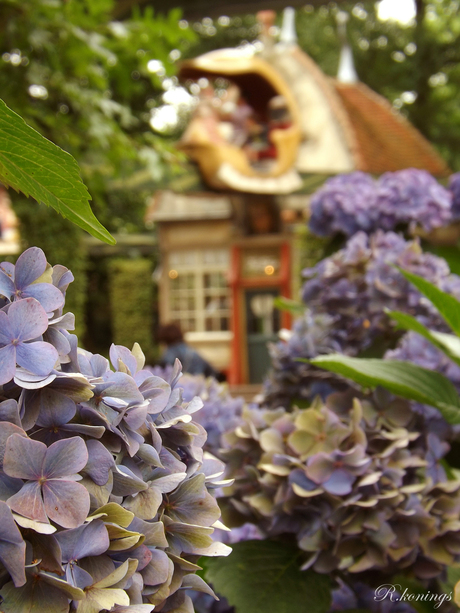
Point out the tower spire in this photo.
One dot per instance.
(346, 72)
(288, 35)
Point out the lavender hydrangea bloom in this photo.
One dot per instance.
(355, 202)
(454, 187)
(25, 321)
(145, 481)
(364, 502)
(346, 295)
(336, 472)
(50, 490)
(345, 204)
(20, 281)
(412, 196)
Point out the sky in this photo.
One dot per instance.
(398, 10)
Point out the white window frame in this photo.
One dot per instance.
(198, 262)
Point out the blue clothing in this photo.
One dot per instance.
(191, 360)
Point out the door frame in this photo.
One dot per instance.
(239, 371)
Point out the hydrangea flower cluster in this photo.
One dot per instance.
(105, 492)
(454, 187)
(220, 411)
(356, 202)
(346, 295)
(354, 481)
(357, 283)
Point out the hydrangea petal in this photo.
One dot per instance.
(6, 430)
(118, 352)
(30, 265)
(99, 365)
(47, 295)
(28, 319)
(7, 363)
(65, 457)
(23, 457)
(339, 483)
(157, 570)
(59, 341)
(7, 287)
(29, 502)
(56, 409)
(38, 357)
(62, 277)
(9, 411)
(320, 467)
(12, 546)
(88, 540)
(66, 502)
(100, 461)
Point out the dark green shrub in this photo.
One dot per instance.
(131, 298)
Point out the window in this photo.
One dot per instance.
(199, 297)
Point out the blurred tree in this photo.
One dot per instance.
(85, 82)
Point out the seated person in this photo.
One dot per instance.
(176, 347)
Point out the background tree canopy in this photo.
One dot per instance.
(83, 81)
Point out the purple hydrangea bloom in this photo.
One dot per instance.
(19, 281)
(345, 204)
(454, 187)
(50, 490)
(25, 321)
(351, 203)
(412, 196)
(336, 472)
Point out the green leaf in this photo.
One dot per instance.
(402, 378)
(35, 166)
(262, 576)
(287, 304)
(448, 343)
(447, 305)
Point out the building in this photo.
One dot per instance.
(269, 128)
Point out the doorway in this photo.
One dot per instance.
(263, 323)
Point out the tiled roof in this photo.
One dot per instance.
(385, 140)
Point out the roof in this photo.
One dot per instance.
(385, 139)
(167, 205)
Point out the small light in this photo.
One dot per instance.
(269, 269)
(173, 274)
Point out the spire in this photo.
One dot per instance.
(346, 72)
(288, 35)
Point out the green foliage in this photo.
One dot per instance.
(33, 165)
(41, 227)
(448, 343)
(130, 293)
(82, 80)
(447, 305)
(261, 576)
(402, 378)
(290, 306)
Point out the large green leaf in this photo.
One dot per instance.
(35, 166)
(262, 576)
(447, 305)
(448, 343)
(402, 378)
